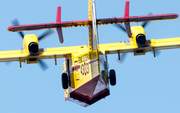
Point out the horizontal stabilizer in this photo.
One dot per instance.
(115, 20)
(119, 20)
(49, 25)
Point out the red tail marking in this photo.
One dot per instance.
(126, 15)
(58, 20)
(126, 11)
(128, 29)
(58, 17)
(60, 35)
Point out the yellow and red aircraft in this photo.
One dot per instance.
(85, 77)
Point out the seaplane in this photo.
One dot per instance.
(85, 76)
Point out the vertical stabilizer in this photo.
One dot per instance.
(59, 29)
(126, 15)
(93, 37)
(94, 26)
(90, 10)
(126, 10)
(58, 16)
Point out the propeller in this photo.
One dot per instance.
(144, 24)
(46, 33)
(120, 27)
(41, 63)
(16, 23)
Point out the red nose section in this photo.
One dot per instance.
(90, 92)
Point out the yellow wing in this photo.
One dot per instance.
(45, 53)
(127, 47)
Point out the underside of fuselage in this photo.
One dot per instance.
(86, 85)
(90, 92)
(85, 80)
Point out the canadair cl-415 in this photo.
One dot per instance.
(85, 77)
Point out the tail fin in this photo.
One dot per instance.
(126, 15)
(126, 11)
(59, 29)
(58, 16)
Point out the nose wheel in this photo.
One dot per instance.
(112, 77)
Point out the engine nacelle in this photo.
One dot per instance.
(141, 40)
(33, 48)
(30, 44)
(138, 35)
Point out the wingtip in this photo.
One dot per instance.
(9, 29)
(177, 15)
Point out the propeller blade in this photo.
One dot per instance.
(120, 27)
(145, 24)
(43, 65)
(45, 34)
(158, 52)
(7, 63)
(16, 23)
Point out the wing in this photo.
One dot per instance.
(45, 53)
(118, 20)
(127, 47)
(49, 25)
(115, 20)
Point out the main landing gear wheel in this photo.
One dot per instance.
(112, 77)
(64, 80)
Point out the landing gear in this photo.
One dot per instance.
(64, 80)
(112, 77)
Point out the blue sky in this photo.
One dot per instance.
(144, 83)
